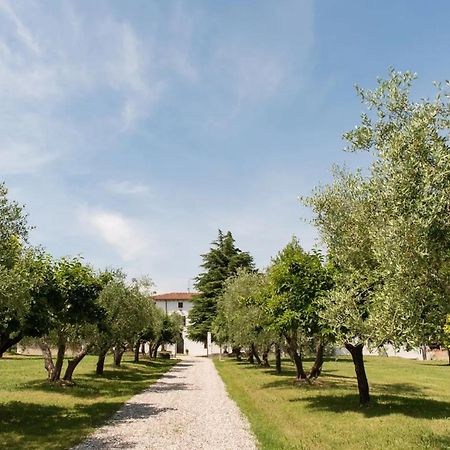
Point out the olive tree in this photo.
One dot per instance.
(74, 294)
(296, 282)
(14, 284)
(128, 312)
(387, 229)
(242, 320)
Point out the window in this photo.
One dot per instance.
(180, 305)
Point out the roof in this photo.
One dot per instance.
(186, 296)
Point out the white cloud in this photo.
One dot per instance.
(128, 188)
(124, 235)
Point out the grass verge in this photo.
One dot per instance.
(35, 414)
(410, 405)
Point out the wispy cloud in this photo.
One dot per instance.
(256, 74)
(132, 74)
(124, 235)
(128, 188)
(23, 33)
(103, 63)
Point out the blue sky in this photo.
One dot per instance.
(134, 130)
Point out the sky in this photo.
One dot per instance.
(133, 131)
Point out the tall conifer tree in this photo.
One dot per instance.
(222, 261)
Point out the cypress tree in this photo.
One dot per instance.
(222, 261)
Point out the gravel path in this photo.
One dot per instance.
(188, 408)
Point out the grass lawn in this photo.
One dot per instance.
(410, 405)
(37, 415)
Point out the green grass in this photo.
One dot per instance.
(35, 414)
(410, 405)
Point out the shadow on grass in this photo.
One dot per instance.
(382, 405)
(131, 380)
(25, 425)
(287, 381)
(343, 383)
(19, 358)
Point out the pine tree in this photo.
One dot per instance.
(222, 261)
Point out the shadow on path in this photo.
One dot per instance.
(135, 411)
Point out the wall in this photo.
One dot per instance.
(191, 347)
(389, 350)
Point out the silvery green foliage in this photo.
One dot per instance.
(242, 319)
(14, 276)
(388, 231)
(127, 310)
(13, 228)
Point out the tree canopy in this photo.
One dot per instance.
(388, 230)
(222, 261)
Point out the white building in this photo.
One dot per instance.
(181, 303)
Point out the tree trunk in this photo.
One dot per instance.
(155, 349)
(237, 352)
(448, 351)
(277, 358)
(48, 360)
(255, 354)
(363, 386)
(424, 352)
(118, 353)
(296, 356)
(59, 359)
(136, 351)
(101, 362)
(251, 358)
(6, 342)
(265, 357)
(73, 363)
(143, 348)
(318, 362)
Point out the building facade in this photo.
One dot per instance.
(181, 303)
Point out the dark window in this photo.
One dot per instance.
(180, 304)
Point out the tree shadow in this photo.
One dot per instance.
(154, 363)
(382, 405)
(91, 385)
(20, 358)
(25, 425)
(137, 411)
(107, 442)
(321, 383)
(164, 387)
(183, 364)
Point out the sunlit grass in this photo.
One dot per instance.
(35, 414)
(410, 405)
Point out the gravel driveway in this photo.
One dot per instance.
(188, 408)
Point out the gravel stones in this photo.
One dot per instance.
(188, 408)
